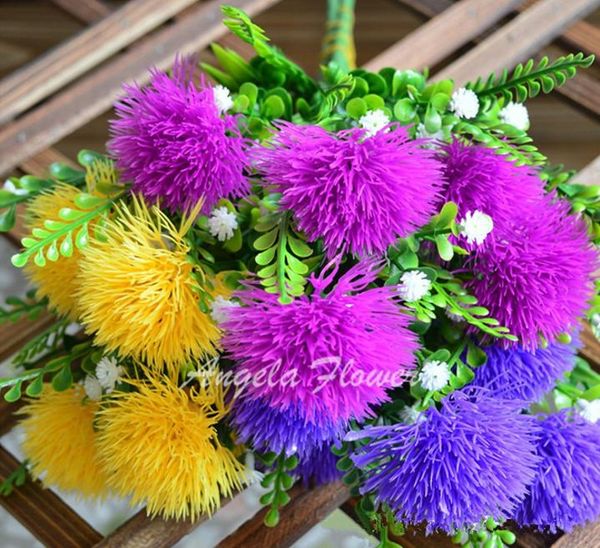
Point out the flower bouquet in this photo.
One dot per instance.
(280, 279)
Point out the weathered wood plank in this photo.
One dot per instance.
(44, 514)
(63, 64)
(14, 335)
(458, 25)
(95, 93)
(86, 11)
(519, 39)
(582, 537)
(307, 508)
(590, 174)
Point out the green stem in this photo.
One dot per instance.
(338, 43)
(281, 249)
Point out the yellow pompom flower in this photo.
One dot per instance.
(56, 280)
(159, 446)
(138, 293)
(60, 441)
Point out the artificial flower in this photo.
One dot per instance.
(333, 353)
(319, 467)
(357, 194)
(222, 224)
(516, 115)
(222, 97)
(434, 375)
(92, 387)
(470, 459)
(172, 141)
(414, 285)
(589, 410)
(476, 226)
(108, 373)
(566, 489)
(220, 309)
(373, 121)
(159, 446)
(464, 103)
(60, 441)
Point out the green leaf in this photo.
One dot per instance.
(35, 387)
(8, 219)
(356, 108)
(592, 393)
(14, 393)
(266, 240)
(444, 247)
(272, 517)
(299, 248)
(404, 110)
(273, 107)
(63, 379)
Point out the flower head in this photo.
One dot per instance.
(334, 354)
(471, 459)
(222, 223)
(589, 410)
(566, 489)
(476, 226)
(222, 98)
(434, 375)
(172, 141)
(290, 432)
(535, 274)
(57, 280)
(414, 285)
(92, 388)
(108, 372)
(60, 441)
(516, 115)
(159, 445)
(373, 121)
(220, 309)
(319, 467)
(526, 375)
(357, 194)
(464, 103)
(479, 179)
(138, 293)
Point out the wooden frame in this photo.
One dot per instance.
(73, 97)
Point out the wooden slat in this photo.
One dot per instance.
(519, 39)
(84, 10)
(142, 532)
(63, 64)
(307, 508)
(14, 335)
(584, 36)
(95, 93)
(590, 174)
(582, 537)
(458, 25)
(44, 514)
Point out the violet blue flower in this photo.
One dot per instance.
(171, 142)
(335, 354)
(566, 489)
(471, 459)
(319, 467)
(358, 193)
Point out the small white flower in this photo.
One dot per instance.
(589, 410)
(220, 309)
(252, 474)
(410, 415)
(373, 121)
(222, 223)
(414, 285)
(92, 387)
(10, 186)
(464, 103)
(595, 320)
(223, 98)
(422, 133)
(476, 226)
(516, 115)
(108, 372)
(434, 375)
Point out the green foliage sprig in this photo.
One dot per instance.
(529, 79)
(19, 308)
(56, 238)
(45, 343)
(279, 480)
(281, 251)
(16, 478)
(25, 188)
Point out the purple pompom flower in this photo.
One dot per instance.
(358, 193)
(479, 179)
(288, 432)
(335, 354)
(516, 373)
(319, 467)
(469, 460)
(535, 275)
(566, 490)
(173, 144)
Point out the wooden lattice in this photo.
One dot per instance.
(64, 89)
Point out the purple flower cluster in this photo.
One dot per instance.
(357, 193)
(319, 467)
(334, 354)
(472, 458)
(526, 375)
(172, 143)
(566, 490)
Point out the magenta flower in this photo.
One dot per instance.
(334, 354)
(535, 275)
(471, 459)
(358, 193)
(172, 143)
(478, 178)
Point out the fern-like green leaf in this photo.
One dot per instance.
(529, 79)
